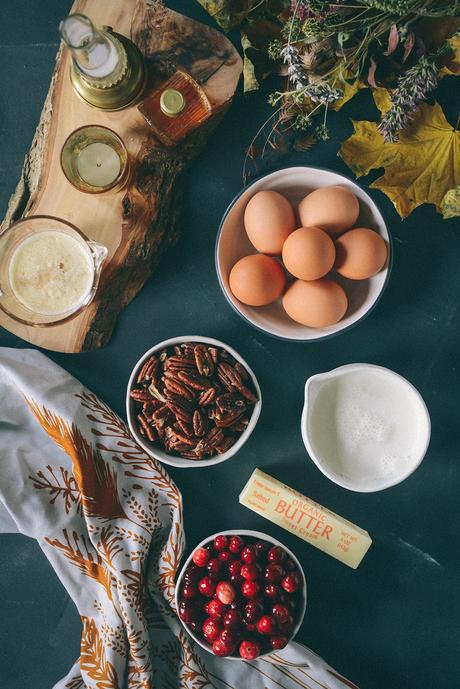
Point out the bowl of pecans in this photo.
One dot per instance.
(192, 401)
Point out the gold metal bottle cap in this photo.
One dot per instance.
(172, 102)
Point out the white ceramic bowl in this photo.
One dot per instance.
(365, 479)
(233, 243)
(253, 534)
(183, 462)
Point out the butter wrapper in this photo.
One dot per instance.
(305, 518)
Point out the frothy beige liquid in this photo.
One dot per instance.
(51, 273)
(368, 425)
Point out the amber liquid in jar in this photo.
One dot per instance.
(176, 108)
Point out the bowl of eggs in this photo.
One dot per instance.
(303, 254)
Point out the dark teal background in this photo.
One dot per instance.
(393, 623)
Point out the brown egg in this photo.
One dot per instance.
(317, 303)
(257, 280)
(361, 253)
(308, 253)
(334, 209)
(268, 219)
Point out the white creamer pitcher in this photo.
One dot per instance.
(365, 426)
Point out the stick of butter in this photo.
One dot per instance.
(295, 512)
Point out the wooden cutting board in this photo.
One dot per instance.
(140, 221)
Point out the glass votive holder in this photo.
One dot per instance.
(94, 159)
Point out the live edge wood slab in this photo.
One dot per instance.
(140, 221)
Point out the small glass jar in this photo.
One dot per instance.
(94, 159)
(65, 267)
(176, 108)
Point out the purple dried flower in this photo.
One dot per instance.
(413, 87)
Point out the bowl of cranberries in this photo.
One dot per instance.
(241, 594)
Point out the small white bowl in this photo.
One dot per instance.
(183, 462)
(233, 243)
(253, 534)
(365, 479)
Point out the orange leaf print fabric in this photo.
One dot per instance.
(110, 521)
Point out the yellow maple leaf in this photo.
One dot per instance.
(420, 168)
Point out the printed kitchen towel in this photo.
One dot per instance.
(109, 519)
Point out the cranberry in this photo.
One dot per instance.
(249, 649)
(291, 582)
(276, 555)
(248, 555)
(219, 648)
(234, 567)
(266, 624)
(280, 612)
(273, 573)
(214, 566)
(250, 589)
(189, 591)
(232, 619)
(220, 543)
(201, 557)
(278, 642)
(261, 548)
(250, 572)
(235, 544)
(250, 627)
(225, 556)
(225, 592)
(187, 611)
(211, 629)
(215, 608)
(225, 644)
(272, 591)
(253, 611)
(206, 587)
(192, 575)
(286, 626)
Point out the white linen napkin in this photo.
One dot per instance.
(109, 519)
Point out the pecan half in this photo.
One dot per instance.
(229, 377)
(149, 432)
(194, 380)
(239, 368)
(200, 423)
(142, 395)
(203, 360)
(174, 386)
(225, 445)
(240, 425)
(207, 397)
(185, 427)
(179, 363)
(226, 419)
(162, 416)
(214, 353)
(246, 392)
(230, 402)
(209, 443)
(148, 370)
